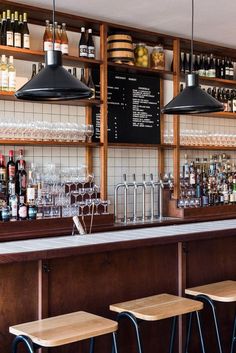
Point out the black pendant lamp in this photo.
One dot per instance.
(192, 100)
(53, 83)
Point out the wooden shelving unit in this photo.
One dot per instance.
(103, 29)
(208, 148)
(49, 143)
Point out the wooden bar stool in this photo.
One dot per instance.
(224, 292)
(159, 307)
(64, 329)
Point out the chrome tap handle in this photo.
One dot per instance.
(144, 177)
(151, 177)
(124, 178)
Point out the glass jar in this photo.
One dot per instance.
(158, 58)
(141, 55)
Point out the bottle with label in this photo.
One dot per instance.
(3, 74)
(16, 32)
(231, 70)
(25, 33)
(20, 159)
(47, 37)
(11, 186)
(74, 72)
(222, 69)
(5, 213)
(13, 204)
(90, 45)
(9, 30)
(64, 40)
(186, 168)
(3, 176)
(11, 166)
(32, 211)
(83, 49)
(82, 78)
(21, 179)
(227, 70)
(22, 212)
(20, 28)
(11, 75)
(201, 70)
(57, 39)
(212, 67)
(192, 174)
(34, 71)
(4, 29)
(31, 188)
(91, 84)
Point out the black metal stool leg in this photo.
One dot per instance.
(91, 345)
(207, 300)
(26, 341)
(172, 337)
(190, 317)
(114, 343)
(134, 322)
(233, 336)
(200, 331)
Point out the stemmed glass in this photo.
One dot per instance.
(89, 132)
(105, 204)
(97, 202)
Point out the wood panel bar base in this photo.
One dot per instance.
(63, 329)
(159, 307)
(224, 292)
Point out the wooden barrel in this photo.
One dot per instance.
(120, 48)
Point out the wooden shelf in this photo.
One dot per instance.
(146, 70)
(222, 115)
(213, 81)
(49, 143)
(82, 102)
(36, 55)
(138, 145)
(208, 148)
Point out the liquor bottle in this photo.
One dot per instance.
(32, 211)
(192, 174)
(64, 40)
(3, 74)
(206, 64)
(16, 32)
(4, 29)
(20, 28)
(47, 38)
(9, 30)
(201, 70)
(21, 179)
(25, 32)
(212, 67)
(13, 204)
(82, 78)
(231, 70)
(222, 69)
(218, 68)
(186, 168)
(12, 24)
(11, 166)
(3, 176)
(40, 67)
(19, 160)
(90, 45)
(187, 62)
(90, 83)
(182, 59)
(11, 75)
(227, 69)
(57, 37)
(234, 101)
(83, 49)
(74, 72)
(30, 192)
(34, 70)
(22, 212)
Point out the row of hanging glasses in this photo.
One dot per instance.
(69, 192)
(46, 131)
(202, 138)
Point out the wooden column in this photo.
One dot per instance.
(103, 111)
(161, 151)
(176, 118)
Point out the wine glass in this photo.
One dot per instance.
(89, 132)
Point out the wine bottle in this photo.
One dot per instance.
(21, 28)
(3, 175)
(212, 67)
(16, 32)
(4, 29)
(21, 178)
(11, 167)
(64, 40)
(82, 78)
(201, 70)
(57, 37)
(3, 74)
(25, 32)
(231, 70)
(222, 69)
(227, 69)
(182, 57)
(47, 37)
(83, 49)
(186, 64)
(19, 159)
(34, 72)
(74, 72)
(22, 213)
(90, 45)
(91, 84)
(11, 75)
(218, 68)
(9, 30)
(31, 187)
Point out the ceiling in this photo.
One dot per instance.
(214, 19)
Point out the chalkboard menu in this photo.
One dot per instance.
(133, 108)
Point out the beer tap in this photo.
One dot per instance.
(135, 191)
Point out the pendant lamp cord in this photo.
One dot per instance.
(192, 37)
(53, 21)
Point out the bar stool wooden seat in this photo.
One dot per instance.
(224, 292)
(158, 307)
(64, 329)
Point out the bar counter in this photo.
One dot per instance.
(57, 275)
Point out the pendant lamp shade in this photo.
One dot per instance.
(53, 83)
(193, 100)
